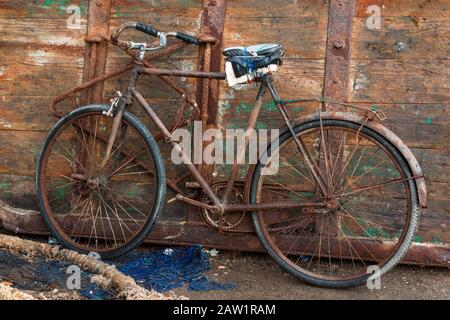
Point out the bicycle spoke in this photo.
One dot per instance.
(364, 176)
(379, 185)
(82, 198)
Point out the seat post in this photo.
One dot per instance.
(240, 156)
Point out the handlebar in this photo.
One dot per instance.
(148, 29)
(153, 32)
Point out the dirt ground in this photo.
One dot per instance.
(258, 277)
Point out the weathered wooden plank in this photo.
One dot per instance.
(396, 8)
(413, 113)
(125, 9)
(39, 80)
(20, 150)
(18, 191)
(40, 9)
(401, 38)
(39, 76)
(169, 22)
(388, 81)
(435, 164)
(45, 31)
(437, 190)
(280, 9)
(24, 113)
(300, 37)
(154, 9)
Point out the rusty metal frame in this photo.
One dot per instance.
(220, 205)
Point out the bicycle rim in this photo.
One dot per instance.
(368, 220)
(93, 204)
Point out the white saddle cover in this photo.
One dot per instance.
(232, 80)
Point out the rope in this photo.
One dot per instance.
(124, 286)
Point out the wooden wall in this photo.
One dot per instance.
(403, 68)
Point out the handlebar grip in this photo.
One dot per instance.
(147, 29)
(187, 38)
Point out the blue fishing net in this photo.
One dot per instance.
(168, 269)
(40, 274)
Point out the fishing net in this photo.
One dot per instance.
(46, 276)
(168, 269)
(37, 259)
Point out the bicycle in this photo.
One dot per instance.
(347, 191)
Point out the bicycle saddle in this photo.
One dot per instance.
(249, 59)
(266, 49)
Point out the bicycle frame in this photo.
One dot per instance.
(220, 205)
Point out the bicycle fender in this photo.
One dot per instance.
(382, 130)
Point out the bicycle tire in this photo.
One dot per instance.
(159, 176)
(348, 283)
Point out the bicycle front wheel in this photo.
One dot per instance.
(92, 202)
(371, 210)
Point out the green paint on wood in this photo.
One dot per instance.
(378, 232)
(5, 185)
(427, 120)
(271, 106)
(437, 240)
(260, 125)
(295, 195)
(63, 4)
(371, 167)
(418, 239)
(61, 193)
(47, 3)
(297, 109)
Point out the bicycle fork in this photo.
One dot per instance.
(121, 103)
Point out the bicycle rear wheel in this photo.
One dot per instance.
(90, 203)
(372, 208)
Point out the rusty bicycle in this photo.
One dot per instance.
(346, 196)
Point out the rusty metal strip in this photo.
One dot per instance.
(212, 24)
(187, 74)
(210, 58)
(338, 50)
(96, 48)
